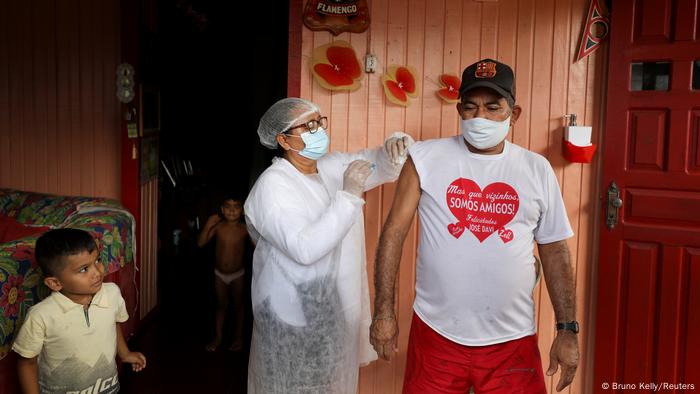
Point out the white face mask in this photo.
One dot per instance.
(483, 133)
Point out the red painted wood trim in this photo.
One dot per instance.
(294, 53)
(130, 188)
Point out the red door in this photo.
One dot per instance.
(648, 319)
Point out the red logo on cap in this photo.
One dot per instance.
(485, 70)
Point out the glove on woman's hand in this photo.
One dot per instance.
(397, 146)
(355, 177)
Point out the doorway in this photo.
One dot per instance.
(648, 322)
(203, 62)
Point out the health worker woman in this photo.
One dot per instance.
(309, 291)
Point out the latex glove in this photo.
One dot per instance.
(396, 147)
(355, 177)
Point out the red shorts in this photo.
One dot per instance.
(437, 365)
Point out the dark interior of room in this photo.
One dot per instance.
(216, 78)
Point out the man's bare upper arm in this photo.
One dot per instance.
(405, 200)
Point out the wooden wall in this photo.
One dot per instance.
(59, 115)
(539, 38)
(148, 246)
(59, 121)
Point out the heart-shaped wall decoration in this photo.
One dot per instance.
(335, 66)
(399, 84)
(449, 92)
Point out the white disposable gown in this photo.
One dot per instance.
(309, 291)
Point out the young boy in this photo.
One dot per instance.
(230, 231)
(75, 332)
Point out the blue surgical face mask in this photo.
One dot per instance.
(316, 144)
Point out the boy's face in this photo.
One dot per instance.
(232, 210)
(81, 276)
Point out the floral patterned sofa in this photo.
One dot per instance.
(26, 215)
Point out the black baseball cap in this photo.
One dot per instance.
(489, 73)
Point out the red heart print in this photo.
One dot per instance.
(455, 229)
(485, 211)
(506, 235)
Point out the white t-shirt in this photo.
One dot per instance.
(479, 216)
(74, 356)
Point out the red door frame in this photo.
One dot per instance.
(130, 186)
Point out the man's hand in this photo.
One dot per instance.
(564, 352)
(383, 335)
(136, 359)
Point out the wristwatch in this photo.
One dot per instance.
(571, 326)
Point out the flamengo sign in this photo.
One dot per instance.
(328, 9)
(337, 16)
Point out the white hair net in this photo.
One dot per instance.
(281, 116)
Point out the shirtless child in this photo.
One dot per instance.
(231, 235)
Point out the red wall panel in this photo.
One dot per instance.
(59, 121)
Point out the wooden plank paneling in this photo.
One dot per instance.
(39, 97)
(489, 30)
(26, 118)
(357, 102)
(51, 169)
(587, 233)
(451, 61)
(539, 39)
(59, 122)
(471, 36)
(561, 57)
(524, 69)
(63, 115)
(5, 108)
(148, 247)
(579, 179)
(17, 76)
(432, 67)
